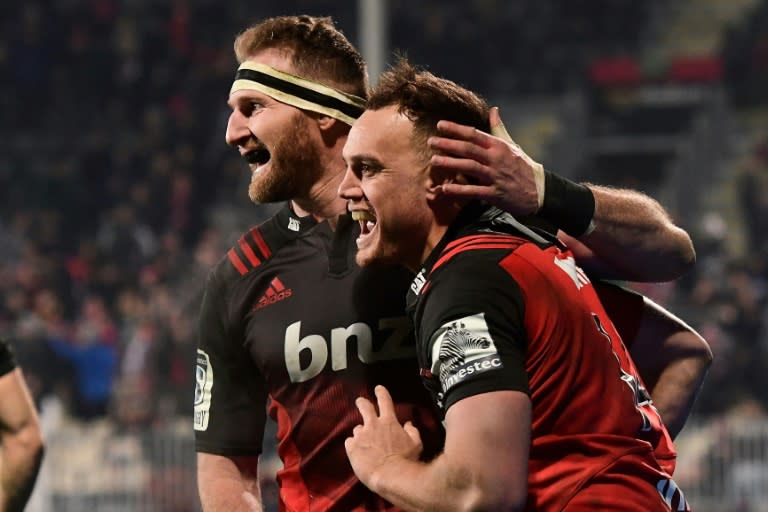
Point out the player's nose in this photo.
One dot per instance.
(350, 188)
(237, 129)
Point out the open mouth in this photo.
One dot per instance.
(366, 219)
(259, 156)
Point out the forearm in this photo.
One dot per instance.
(439, 486)
(674, 390)
(220, 496)
(673, 360)
(228, 485)
(22, 454)
(632, 234)
(483, 465)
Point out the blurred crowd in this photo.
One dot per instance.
(119, 192)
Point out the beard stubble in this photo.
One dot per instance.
(294, 166)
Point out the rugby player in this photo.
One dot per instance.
(543, 406)
(290, 326)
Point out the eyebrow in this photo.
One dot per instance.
(253, 95)
(363, 158)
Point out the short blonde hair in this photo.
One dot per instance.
(317, 49)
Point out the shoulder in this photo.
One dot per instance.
(252, 251)
(474, 261)
(470, 274)
(253, 248)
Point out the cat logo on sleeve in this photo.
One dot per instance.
(203, 385)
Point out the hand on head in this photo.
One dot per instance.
(499, 170)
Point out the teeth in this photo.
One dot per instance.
(359, 215)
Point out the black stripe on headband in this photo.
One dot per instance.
(299, 91)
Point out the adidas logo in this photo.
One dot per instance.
(275, 293)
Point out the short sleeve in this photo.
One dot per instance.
(229, 401)
(473, 322)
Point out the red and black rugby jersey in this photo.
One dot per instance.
(289, 321)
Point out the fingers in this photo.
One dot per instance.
(459, 147)
(367, 410)
(470, 134)
(385, 404)
(497, 125)
(495, 118)
(412, 432)
(469, 191)
(482, 173)
(384, 399)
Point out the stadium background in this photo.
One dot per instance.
(118, 193)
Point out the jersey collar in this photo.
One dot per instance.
(291, 224)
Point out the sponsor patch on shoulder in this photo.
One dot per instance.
(203, 386)
(463, 348)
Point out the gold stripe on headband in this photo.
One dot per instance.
(298, 92)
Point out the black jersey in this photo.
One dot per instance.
(289, 320)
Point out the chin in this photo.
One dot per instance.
(267, 189)
(370, 258)
(365, 259)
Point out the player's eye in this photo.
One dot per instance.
(254, 107)
(366, 170)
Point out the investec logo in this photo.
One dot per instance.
(316, 350)
(458, 374)
(463, 347)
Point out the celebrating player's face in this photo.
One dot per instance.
(385, 185)
(276, 141)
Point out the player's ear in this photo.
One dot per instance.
(326, 122)
(330, 128)
(438, 178)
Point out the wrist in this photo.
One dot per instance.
(381, 480)
(568, 205)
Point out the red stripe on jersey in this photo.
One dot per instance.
(270, 292)
(294, 494)
(237, 262)
(249, 252)
(262, 245)
(277, 284)
(472, 246)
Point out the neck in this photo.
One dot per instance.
(436, 234)
(444, 215)
(323, 201)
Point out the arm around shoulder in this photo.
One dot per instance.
(635, 235)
